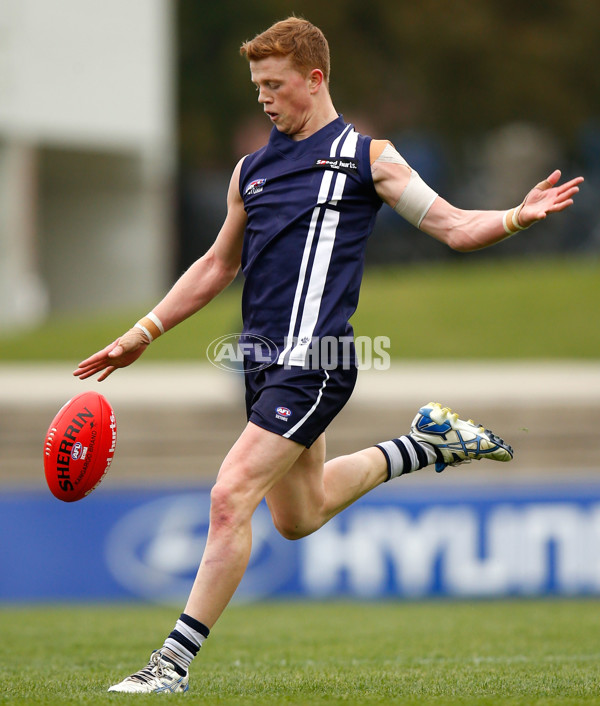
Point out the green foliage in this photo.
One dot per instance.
(485, 653)
(466, 309)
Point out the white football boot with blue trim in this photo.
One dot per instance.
(158, 677)
(454, 440)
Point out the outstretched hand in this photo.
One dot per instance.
(546, 197)
(119, 354)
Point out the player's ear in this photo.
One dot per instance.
(315, 80)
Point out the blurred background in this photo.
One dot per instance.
(120, 124)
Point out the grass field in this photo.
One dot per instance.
(475, 308)
(493, 653)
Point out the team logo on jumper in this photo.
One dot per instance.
(283, 413)
(341, 164)
(255, 187)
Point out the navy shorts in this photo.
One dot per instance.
(294, 402)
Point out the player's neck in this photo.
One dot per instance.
(323, 113)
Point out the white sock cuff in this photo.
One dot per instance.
(405, 455)
(187, 631)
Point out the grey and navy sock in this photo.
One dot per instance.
(184, 642)
(405, 455)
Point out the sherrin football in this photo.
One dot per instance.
(79, 446)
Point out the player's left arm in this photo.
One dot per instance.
(401, 188)
(467, 230)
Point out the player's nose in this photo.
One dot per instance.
(263, 97)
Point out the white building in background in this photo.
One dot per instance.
(86, 154)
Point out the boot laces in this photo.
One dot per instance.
(154, 668)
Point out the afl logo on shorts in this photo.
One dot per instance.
(283, 413)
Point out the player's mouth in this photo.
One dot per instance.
(272, 116)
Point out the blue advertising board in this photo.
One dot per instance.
(403, 541)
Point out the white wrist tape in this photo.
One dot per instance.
(154, 318)
(417, 197)
(145, 330)
(510, 221)
(151, 325)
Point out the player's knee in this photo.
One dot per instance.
(291, 533)
(291, 530)
(226, 507)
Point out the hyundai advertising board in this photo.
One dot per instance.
(404, 542)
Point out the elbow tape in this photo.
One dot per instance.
(416, 200)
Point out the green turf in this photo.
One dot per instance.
(469, 308)
(497, 652)
(486, 309)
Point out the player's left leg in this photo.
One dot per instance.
(312, 491)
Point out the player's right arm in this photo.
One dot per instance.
(206, 278)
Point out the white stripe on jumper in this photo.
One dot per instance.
(310, 411)
(316, 285)
(300, 285)
(349, 146)
(348, 150)
(318, 275)
(321, 199)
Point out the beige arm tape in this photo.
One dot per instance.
(151, 325)
(510, 220)
(417, 197)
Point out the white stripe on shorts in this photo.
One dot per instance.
(310, 411)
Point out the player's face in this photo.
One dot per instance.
(284, 93)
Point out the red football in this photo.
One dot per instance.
(79, 446)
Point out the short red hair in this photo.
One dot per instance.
(304, 43)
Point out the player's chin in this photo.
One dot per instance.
(281, 125)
